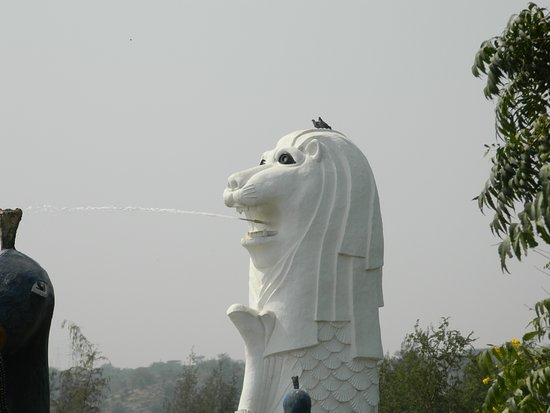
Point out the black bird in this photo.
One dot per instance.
(320, 124)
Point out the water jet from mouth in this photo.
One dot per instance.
(52, 208)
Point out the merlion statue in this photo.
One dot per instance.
(315, 283)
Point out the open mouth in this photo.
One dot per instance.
(260, 223)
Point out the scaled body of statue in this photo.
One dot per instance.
(315, 283)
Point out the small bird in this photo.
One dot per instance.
(320, 124)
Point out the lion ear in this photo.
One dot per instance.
(313, 149)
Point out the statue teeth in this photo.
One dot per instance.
(261, 233)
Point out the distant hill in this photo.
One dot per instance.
(148, 389)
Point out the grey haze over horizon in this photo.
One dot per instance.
(155, 104)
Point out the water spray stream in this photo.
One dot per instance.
(52, 208)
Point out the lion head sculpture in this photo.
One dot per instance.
(315, 239)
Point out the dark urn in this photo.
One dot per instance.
(297, 400)
(26, 309)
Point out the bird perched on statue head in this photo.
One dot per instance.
(320, 124)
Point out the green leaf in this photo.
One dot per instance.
(529, 208)
(504, 250)
(529, 336)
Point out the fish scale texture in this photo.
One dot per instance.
(335, 382)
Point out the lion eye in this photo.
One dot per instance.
(262, 162)
(286, 159)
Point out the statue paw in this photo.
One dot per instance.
(255, 327)
(241, 308)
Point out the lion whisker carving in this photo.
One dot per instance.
(248, 191)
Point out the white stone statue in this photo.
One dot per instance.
(315, 283)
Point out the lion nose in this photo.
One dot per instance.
(233, 182)
(239, 179)
(228, 198)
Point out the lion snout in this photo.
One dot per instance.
(238, 188)
(233, 182)
(228, 198)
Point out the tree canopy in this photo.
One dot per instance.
(433, 372)
(517, 69)
(82, 387)
(518, 372)
(219, 393)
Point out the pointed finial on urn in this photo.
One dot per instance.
(9, 222)
(296, 400)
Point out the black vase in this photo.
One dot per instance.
(26, 310)
(297, 400)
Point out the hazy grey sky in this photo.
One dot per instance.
(156, 103)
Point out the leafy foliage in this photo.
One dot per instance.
(220, 395)
(186, 395)
(519, 372)
(217, 394)
(81, 388)
(431, 374)
(517, 67)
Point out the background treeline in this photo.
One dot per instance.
(435, 371)
(198, 385)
